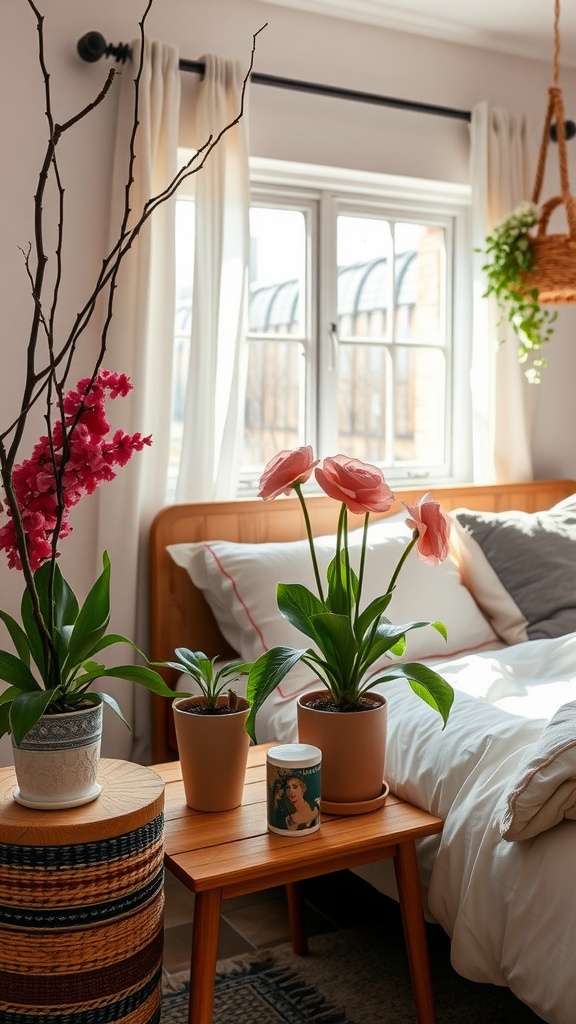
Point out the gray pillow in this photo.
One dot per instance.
(521, 569)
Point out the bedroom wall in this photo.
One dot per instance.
(287, 125)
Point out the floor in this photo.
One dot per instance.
(260, 920)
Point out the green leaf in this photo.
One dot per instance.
(337, 643)
(370, 613)
(92, 619)
(140, 674)
(31, 628)
(26, 710)
(105, 698)
(18, 637)
(265, 675)
(4, 719)
(298, 605)
(16, 672)
(427, 684)
(190, 660)
(342, 590)
(441, 628)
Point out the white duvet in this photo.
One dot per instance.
(509, 907)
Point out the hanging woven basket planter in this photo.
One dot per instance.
(529, 268)
(554, 273)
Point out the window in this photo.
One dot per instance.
(358, 335)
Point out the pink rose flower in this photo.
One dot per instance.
(286, 469)
(360, 486)
(433, 526)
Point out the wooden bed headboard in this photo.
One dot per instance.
(179, 614)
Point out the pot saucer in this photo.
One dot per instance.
(58, 805)
(358, 806)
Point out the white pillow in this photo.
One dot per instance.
(239, 583)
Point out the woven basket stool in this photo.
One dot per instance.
(81, 904)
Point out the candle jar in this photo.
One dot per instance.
(293, 774)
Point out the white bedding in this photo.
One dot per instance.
(509, 907)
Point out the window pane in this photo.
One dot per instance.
(277, 270)
(419, 286)
(362, 402)
(274, 389)
(419, 406)
(364, 276)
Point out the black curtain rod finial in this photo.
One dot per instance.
(93, 46)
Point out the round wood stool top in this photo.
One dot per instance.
(131, 796)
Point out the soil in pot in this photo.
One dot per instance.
(366, 703)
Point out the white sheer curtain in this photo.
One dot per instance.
(141, 343)
(215, 388)
(503, 164)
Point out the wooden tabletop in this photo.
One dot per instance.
(234, 851)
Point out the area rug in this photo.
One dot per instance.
(351, 976)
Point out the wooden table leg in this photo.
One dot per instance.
(406, 868)
(205, 931)
(295, 897)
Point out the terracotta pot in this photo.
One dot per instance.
(213, 751)
(57, 762)
(353, 745)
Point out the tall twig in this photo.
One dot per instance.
(46, 375)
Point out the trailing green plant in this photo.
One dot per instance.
(211, 679)
(510, 258)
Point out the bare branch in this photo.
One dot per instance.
(47, 377)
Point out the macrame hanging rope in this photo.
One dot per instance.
(555, 273)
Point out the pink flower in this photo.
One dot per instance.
(286, 469)
(360, 486)
(433, 526)
(87, 463)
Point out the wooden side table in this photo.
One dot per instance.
(232, 853)
(81, 902)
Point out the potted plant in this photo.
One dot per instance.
(59, 641)
(211, 732)
(348, 640)
(511, 259)
(50, 707)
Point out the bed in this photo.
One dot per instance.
(503, 772)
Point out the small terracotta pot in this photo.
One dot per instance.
(213, 751)
(353, 745)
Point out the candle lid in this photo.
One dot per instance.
(286, 755)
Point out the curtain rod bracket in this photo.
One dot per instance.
(93, 46)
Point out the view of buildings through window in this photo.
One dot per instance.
(349, 333)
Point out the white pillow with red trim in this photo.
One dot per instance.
(239, 583)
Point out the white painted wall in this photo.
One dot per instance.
(287, 125)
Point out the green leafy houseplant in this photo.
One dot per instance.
(211, 679)
(58, 678)
(59, 642)
(510, 257)
(349, 640)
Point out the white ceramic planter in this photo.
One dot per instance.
(57, 762)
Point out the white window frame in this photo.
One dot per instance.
(331, 190)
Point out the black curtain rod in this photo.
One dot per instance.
(93, 46)
(336, 92)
